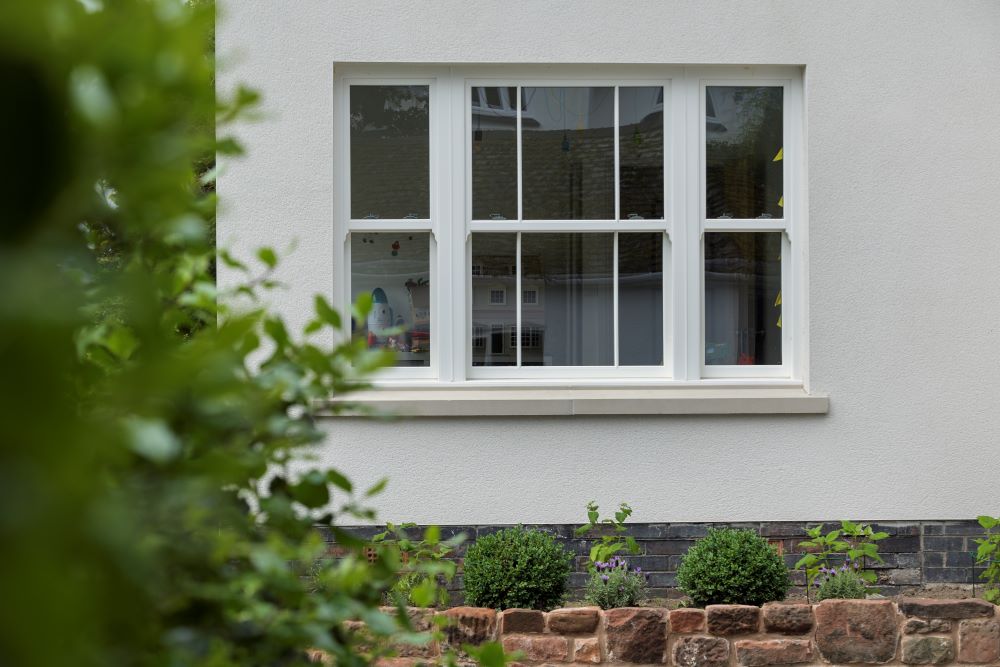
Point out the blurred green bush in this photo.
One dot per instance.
(148, 514)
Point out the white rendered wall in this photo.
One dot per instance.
(903, 148)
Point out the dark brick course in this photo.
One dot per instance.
(917, 553)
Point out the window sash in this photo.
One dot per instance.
(684, 222)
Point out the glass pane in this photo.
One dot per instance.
(390, 160)
(743, 298)
(640, 152)
(640, 299)
(494, 158)
(568, 153)
(572, 323)
(395, 270)
(494, 299)
(743, 151)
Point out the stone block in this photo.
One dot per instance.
(701, 651)
(757, 653)
(732, 619)
(469, 625)
(927, 650)
(685, 621)
(918, 626)
(636, 634)
(856, 631)
(788, 618)
(588, 650)
(979, 641)
(573, 621)
(953, 609)
(538, 648)
(521, 621)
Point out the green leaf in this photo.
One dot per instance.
(268, 257)
(339, 480)
(988, 522)
(377, 488)
(152, 439)
(633, 546)
(311, 490)
(326, 313)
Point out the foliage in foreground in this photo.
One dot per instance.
(156, 506)
(516, 567)
(730, 566)
(423, 564)
(612, 585)
(988, 554)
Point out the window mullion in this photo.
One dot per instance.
(614, 294)
(517, 324)
(618, 214)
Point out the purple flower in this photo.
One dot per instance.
(638, 570)
(604, 577)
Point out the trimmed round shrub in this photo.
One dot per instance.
(845, 585)
(516, 567)
(730, 566)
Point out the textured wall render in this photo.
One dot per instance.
(904, 291)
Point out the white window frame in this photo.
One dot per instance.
(450, 225)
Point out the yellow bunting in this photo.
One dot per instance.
(777, 302)
(780, 156)
(781, 202)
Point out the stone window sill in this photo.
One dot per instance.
(500, 401)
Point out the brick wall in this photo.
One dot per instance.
(918, 554)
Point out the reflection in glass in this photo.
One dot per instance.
(494, 299)
(640, 299)
(568, 153)
(390, 158)
(743, 298)
(572, 324)
(640, 152)
(743, 151)
(395, 270)
(494, 153)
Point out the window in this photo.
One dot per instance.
(580, 223)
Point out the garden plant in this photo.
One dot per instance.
(612, 584)
(853, 543)
(730, 566)
(610, 533)
(152, 513)
(516, 567)
(988, 555)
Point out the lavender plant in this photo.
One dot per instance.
(843, 583)
(612, 584)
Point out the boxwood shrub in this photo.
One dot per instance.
(516, 567)
(730, 566)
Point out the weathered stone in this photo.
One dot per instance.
(397, 662)
(788, 619)
(521, 620)
(852, 631)
(538, 648)
(588, 650)
(979, 641)
(636, 634)
(955, 609)
(757, 653)
(919, 626)
(927, 650)
(421, 619)
(687, 620)
(732, 619)
(469, 625)
(574, 620)
(701, 651)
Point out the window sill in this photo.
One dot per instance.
(567, 401)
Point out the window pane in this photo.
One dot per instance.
(494, 301)
(494, 159)
(390, 160)
(573, 323)
(640, 299)
(568, 153)
(743, 298)
(395, 270)
(640, 152)
(743, 151)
